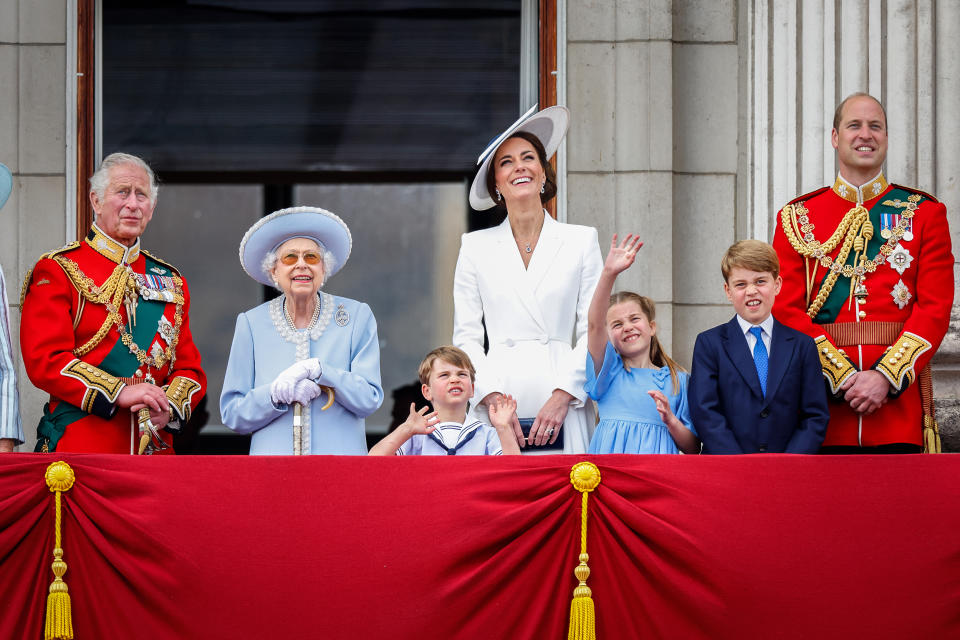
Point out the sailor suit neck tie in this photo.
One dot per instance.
(760, 358)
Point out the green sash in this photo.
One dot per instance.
(53, 424)
(119, 362)
(841, 288)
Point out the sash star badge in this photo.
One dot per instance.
(900, 259)
(901, 295)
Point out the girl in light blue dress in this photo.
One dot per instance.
(641, 393)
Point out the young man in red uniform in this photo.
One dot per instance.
(104, 328)
(868, 273)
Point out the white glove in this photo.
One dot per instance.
(282, 389)
(305, 391)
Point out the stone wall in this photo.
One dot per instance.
(33, 146)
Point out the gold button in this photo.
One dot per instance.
(862, 314)
(892, 361)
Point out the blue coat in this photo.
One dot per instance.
(344, 340)
(730, 411)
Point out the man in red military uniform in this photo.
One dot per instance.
(868, 273)
(104, 328)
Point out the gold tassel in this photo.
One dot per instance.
(584, 476)
(59, 621)
(931, 435)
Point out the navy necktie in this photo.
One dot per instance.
(760, 358)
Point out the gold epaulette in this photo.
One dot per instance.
(172, 268)
(917, 191)
(898, 362)
(49, 254)
(807, 196)
(834, 362)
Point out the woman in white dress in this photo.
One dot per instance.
(529, 281)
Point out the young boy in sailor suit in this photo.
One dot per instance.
(447, 376)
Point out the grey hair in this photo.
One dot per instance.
(270, 262)
(101, 178)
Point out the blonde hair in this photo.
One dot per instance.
(752, 255)
(447, 353)
(658, 356)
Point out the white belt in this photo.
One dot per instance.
(542, 339)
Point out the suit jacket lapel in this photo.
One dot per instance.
(735, 344)
(782, 345)
(548, 247)
(511, 264)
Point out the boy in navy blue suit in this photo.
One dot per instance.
(756, 385)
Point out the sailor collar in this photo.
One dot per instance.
(864, 192)
(110, 248)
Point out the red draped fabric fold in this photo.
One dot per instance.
(477, 547)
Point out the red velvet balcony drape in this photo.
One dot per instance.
(340, 547)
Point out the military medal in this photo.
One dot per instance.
(887, 223)
(908, 231)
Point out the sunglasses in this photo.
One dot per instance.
(310, 257)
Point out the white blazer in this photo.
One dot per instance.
(536, 318)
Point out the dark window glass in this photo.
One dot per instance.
(309, 86)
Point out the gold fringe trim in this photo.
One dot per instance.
(59, 621)
(584, 476)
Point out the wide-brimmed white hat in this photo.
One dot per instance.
(6, 184)
(268, 233)
(549, 126)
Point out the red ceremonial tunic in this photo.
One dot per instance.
(893, 323)
(83, 361)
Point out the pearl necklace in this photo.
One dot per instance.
(313, 318)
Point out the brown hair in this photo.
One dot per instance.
(838, 114)
(549, 187)
(658, 356)
(752, 255)
(447, 353)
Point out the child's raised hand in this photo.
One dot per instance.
(621, 255)
(501, 412)
(663, 406)
(421, 421)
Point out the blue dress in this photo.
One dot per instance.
(629, 421)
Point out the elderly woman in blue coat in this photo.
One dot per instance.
(304, 368)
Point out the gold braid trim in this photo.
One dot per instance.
(121, 284)
(849, 228)
(179, 392)
(95, 379)
(834, 363)
(858, 229)
(897, 363)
